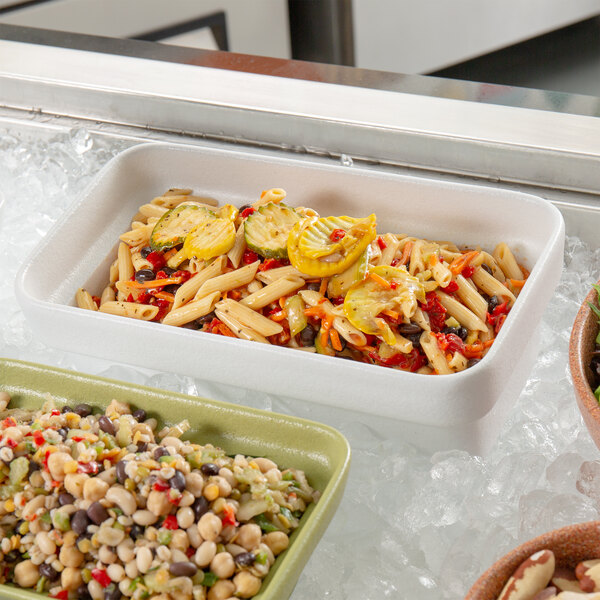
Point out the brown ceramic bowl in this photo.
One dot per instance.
(570, 544)
(581, 346)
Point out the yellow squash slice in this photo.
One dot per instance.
(213, 237)
(317, 249)
(389, 288)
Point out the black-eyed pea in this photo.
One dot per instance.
(110, 536)
(122, 498)
(531, 577)
(143, 559)
(158, 503)
(194, 483)
(264, 464)
(26, 574)
(210, 526)
(179, 540)
(124, 586)
(194, 536)
(246, 585)
(45, 543)
(223, 565)
(116, 572)
(222, 590)
(224, 486)
(70, 578)
(36, 526)
(205, 553)
(125, 551)
(107, 555)
(185, 517)
(70, 556)
(32, 507)
(278, 541)
(588, 574)
(95, 590)
(228, 475)
(173, 442)
(249, 536)
(109, 476)
(74, 483)
(144, 517)
(56, 464)
(187, 499)
(94, 489)
(131, 569)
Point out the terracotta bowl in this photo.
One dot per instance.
(581, 346)
(570, 545)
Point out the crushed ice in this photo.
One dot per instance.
(410, 525)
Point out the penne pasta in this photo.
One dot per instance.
(461, 313)
(190, 288)
(236, 253)
(470, 297)
(84, 300)
(434, 354)
(489, 285)
(126, 270)
(507, 262)
(144, 312)
(250, 318)
(273, 291)
(241, 331)
(228, 281)
(192, 311)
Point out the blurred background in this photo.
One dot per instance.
(544, 44)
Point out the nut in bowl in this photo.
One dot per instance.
(560, 564)
(582, 347)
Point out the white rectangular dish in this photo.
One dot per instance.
(460, 410)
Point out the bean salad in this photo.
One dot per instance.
(105, 506)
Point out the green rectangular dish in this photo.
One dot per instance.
(321, 451)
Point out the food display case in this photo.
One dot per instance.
(422, 515)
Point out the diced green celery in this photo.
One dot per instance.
(86, 575)
(19, 468)
(61, 520)
(261, 557)
(194, 459)
(597, 393)
(118, 525)
(288, 476)
(294, 306)
(134, 583)
(264, 523)
(41, 583)
(167, 459)
(209, 579)
(46, 518)
(36, 426)
(164, 537)
(124, 436)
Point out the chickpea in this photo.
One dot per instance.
(70, 578)
(44, 543)
(94, 489)
(74, 483)
(26, 574)
(210, 526)
(144, 517)
(249, 536)
(246, 584)
(179, 540)
(144, 559)
(185, 517)
(32, 507)
(277, 541)
(194, 536)
(205, 553)
(194, 483)
(96, 590)
(125, 551)
(228, 475)
(70, 556)
(56, 464)
(264, 464)
(224, 486)
(131, 569)
(222, 590)
(223, 565)
(157, 503)
(116, 572)
(106, 555)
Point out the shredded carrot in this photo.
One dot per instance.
(517, 283)
(278, 316)
(167, 255)
(323, 286)
(460, 262)
(282, 301)
(335, 340)
(488, 343)
(326, 324)
(406, 251)
(263, 193)
(156, 283)
(433, 260)
(392, 314)
(235, 294)
(474, 350)
(165, 296)
(224, 330)
(524, 271)
(380, 280)
(315, 311)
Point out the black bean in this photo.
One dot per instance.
(452, 330)
(62, 432)
(314, 286)
(12, 556)
(209, 469)
(415, 338)
(142, 446)
(48, 572)
(172, 288)
(308, 335)
(206, 318)
(168, 270)
(97, 513)
(80, 522)
(106, 425)
(245, 559)
(494, 301)
(33, 466)
(472, 361)
(65, 498)
(137, 531)
(160, 451)
(83, 593)
(145, 251)
(120, 468)
(486, 268)
(112, 592)
(139, 415)
(244, 207)
(83, 410)
(200, 507)
(178, 481)
(183, 569)
(144, 275)
(409, 329)
(66, 408)
(193, 325)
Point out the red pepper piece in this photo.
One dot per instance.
(163, 308)
(247, 212)
(160, 486)
(336, 235)
(412, 361)
(497, 317)
(101, 576)
(130, 298)
(12, 443)
(89, 468)
(55, 412)
(185, 275)
(450, 288)
(9, 422)
(174, 497)
(46, 457)
(271, 263)
(144, 298)
(38, 438)
(156, 259)
(381, 243)
(249, 257)
(450, 342)
(170, 522)
(161, 275)
(190, 552)
(437, 313)
(467, 271)
(394, 262)
(228, 517)
(62, 595)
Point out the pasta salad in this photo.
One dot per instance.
(277, 274)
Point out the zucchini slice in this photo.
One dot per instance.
(211, 238)
(340, 284)
(176, 223)
(392, 289)
(321, 247)
(268, 228)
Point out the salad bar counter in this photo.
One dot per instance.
(479, 273)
